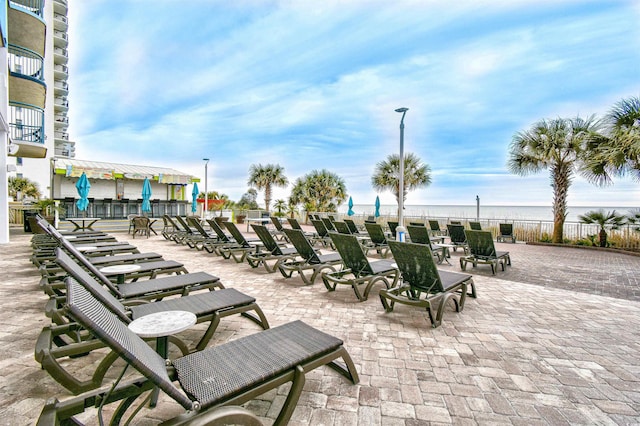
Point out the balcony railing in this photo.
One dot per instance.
(26, 63)
(62, 19)
(60, 34)
(61, 102)
(60, 6)
(62, 119)
(61, 135)
(61, 52)
(34, 6)
(26, 123)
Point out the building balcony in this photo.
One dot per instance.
(26, 130)
(60, 39)
(60, 55)
(32, 6)
(61, 72)
(61, 123)
(65, 149)
(26, 63)
(60, 22)
(61, 104)
(60, 88)
(60, 6)
(61, 136)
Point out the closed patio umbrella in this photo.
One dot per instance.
(146, 195)
(377, 213)
(350, 212)
(194, 195)
(83, 186)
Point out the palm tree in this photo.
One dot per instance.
(264, 177)
(215, 195)
(387, 177)
(618, 151)
(281, 207)
(605, 220)
(560, 145)
(22, 187)
(320, 191)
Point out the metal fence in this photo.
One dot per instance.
(529, 230)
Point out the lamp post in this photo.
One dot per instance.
(400, 231)
(206, 191)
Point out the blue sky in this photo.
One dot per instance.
(314, 84)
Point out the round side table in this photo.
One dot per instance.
(161, 325)
(120, 270)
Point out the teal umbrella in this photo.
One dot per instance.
(377, 213)
(350, 212)
(83, 186)
(194, 201)
(146, 195)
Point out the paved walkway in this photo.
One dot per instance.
(555, 340)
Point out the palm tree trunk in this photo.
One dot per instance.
(561, 180)
(267, 196)
(603, 238)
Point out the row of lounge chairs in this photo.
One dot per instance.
(90, 311)
(349, 266)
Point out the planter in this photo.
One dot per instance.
(212, 204)
(240, 218)
(220, 219)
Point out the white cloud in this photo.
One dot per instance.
(313, 85)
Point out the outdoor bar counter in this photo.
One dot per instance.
(119, 209)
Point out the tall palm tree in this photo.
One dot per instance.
(387, 176)
(320, 191)
(617, 151)
(560, 145)
(605, 220)
(264, 177)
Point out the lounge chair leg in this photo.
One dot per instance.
(261, 320)
(349, 369)
(213, 324)
(292, 399)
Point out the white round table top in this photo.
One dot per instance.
(162, 324)
(86, 248)
(120, 269)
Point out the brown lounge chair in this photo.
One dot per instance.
(420, 235)
(311, 259)
(423, 285)
(482, 250)
(151, 289)
(359, 271)
(272, 251)
(506, 233)
(227, 374)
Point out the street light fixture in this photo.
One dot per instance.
(400, 231)
(206, 191)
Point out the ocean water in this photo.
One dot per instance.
(486, 212)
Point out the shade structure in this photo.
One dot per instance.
(350, 212)
(83, 186)
(146, 195)
(194, 200)
(377, 213)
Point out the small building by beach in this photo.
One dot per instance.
(116, 189)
